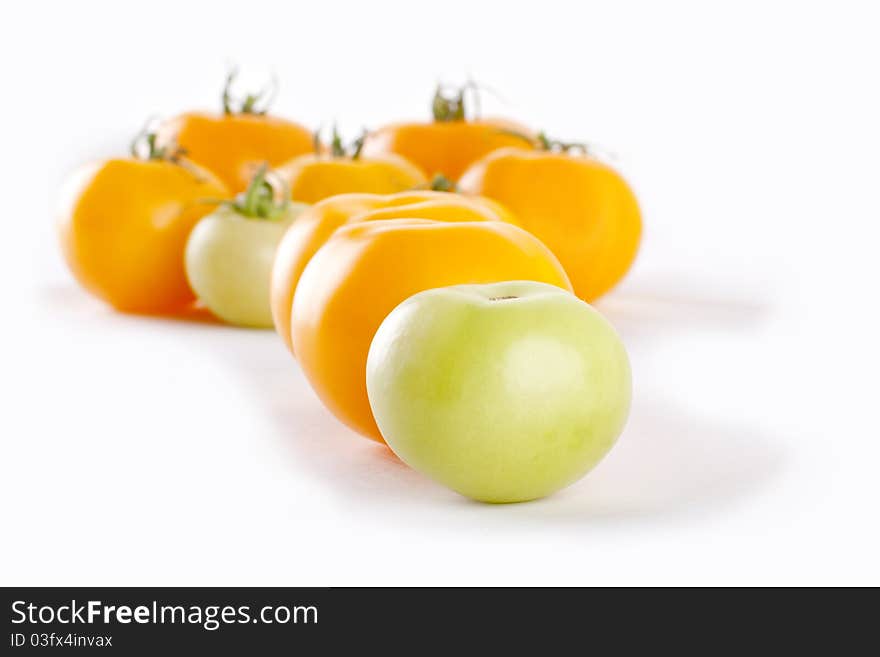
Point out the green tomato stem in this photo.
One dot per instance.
(543, 143)
(256, 104)
(441, 183)
(266, 198)
(145, 146)
(446, 107)
(338, 149)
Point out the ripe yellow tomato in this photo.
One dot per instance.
(579, 207)
(336, 170)
(364, 270)
(451, 142)
(317, 223)
(236, 142)
(123, 225)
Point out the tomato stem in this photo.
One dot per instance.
(338, 149)
(266, 197)
(316, 142)
(145, 146)
(256, 104)
(543, 143)
(450, 106)
(358, 145)
(441, 183)
(547, 144)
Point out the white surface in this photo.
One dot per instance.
(144, 451)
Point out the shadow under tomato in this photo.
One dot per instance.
(668, 461)
(660, 307)
(74, 299)
(353, 468)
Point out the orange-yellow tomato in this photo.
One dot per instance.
(317, 223)
(315, 177)
(123, 226)
(445, 147)
(233, 146)
(366, 269)
(579, 207)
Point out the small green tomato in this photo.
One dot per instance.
(229, 253)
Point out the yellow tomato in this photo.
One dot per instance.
(236, 142)
(317, 223)
(123, 225)
(579, 207)
(451, 142)
(335, 170)
(366, 269)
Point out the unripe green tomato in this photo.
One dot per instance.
(229, 261)
(504, 392)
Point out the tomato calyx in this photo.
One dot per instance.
(449, 104)
(441, 183)
(256, 104)
(145, 146)
(266, 198)
(544, 143)
(337, 148)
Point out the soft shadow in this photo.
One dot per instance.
(668, 460)
(661, 307)
(75, 300)
(352, 468)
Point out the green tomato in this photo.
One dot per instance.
(229, 262)
(504, 392)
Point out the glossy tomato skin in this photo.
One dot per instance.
(446, 147)
(233, 146)
(123, 226)
(366, 269)
(229, 260)
(313, 178)
(579, 207)
(316, 224)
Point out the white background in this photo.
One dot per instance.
(146, 451)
